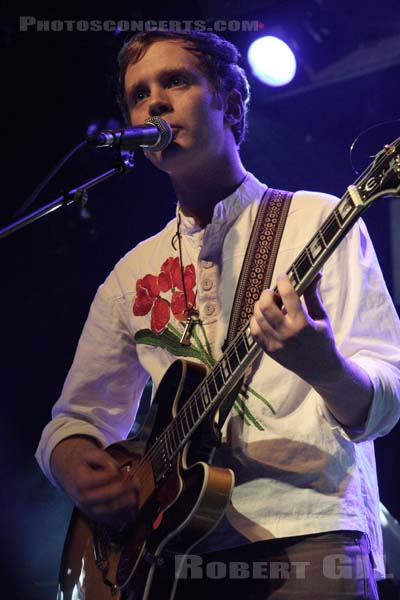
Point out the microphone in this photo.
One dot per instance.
(155, 135)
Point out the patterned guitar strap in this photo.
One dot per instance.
(257, 269)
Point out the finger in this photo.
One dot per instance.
(267, 321)
(99, 459)
(267, 308)
(312, 299)
(290, 299)
(89, 478)
(98, 469)
(256, 332)
(117, 493)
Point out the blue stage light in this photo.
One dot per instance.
(272, 61)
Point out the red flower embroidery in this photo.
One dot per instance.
(146, 293)
(170, 278)
(170, 275)
(159, 315)
(178, 304)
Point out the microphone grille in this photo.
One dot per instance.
(165, 133)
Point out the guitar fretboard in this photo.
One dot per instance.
(321, 246)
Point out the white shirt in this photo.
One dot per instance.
(298, 471)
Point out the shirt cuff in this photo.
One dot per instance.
(384, 411)
(57, 431)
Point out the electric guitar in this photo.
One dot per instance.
(182, 496)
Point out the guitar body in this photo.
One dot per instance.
(175, 511)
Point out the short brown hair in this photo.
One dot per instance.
(218, 58)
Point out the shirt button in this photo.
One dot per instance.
(207, 284)
(206, 264)
(209, 309)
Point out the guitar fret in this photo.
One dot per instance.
(195, 410)
(345, 208)
(212, 386)
(329, 231)
(185, 422)
(249, 340)
(218, 377)
(242, 348)
(337, 217)
(316, 246)
(201, 403)
(233, 362)
(294, 278)
(236, 350)
(180, 430)
(303, 265)
(309, 256)
(225, 370)
(190, 416)
(174, 436)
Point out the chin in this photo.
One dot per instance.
(168, 159)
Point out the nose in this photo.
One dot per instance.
(159, 104)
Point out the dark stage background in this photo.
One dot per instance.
(55, 84)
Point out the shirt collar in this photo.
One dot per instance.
(227, 210)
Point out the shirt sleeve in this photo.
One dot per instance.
(366, 328)
(101, 393)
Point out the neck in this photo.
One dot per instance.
(198, 194)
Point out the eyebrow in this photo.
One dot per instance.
(162, 76)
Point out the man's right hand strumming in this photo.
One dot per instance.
(93, 480)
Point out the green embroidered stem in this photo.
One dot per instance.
(240, 413)
(257, 395)
(167, 340)
(246, 413)
(174, 330)
(210, 359)
(202, 354)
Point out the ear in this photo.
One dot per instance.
(233, 103)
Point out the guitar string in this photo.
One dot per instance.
(232, 347)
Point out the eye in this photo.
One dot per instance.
(138, 96)
(176, 80)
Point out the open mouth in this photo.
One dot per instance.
(175, 131)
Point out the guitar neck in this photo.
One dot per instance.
(307, 265)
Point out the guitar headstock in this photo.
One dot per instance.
(382, 177)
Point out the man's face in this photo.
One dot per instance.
(168, 82)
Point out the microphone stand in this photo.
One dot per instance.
(125, 163)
